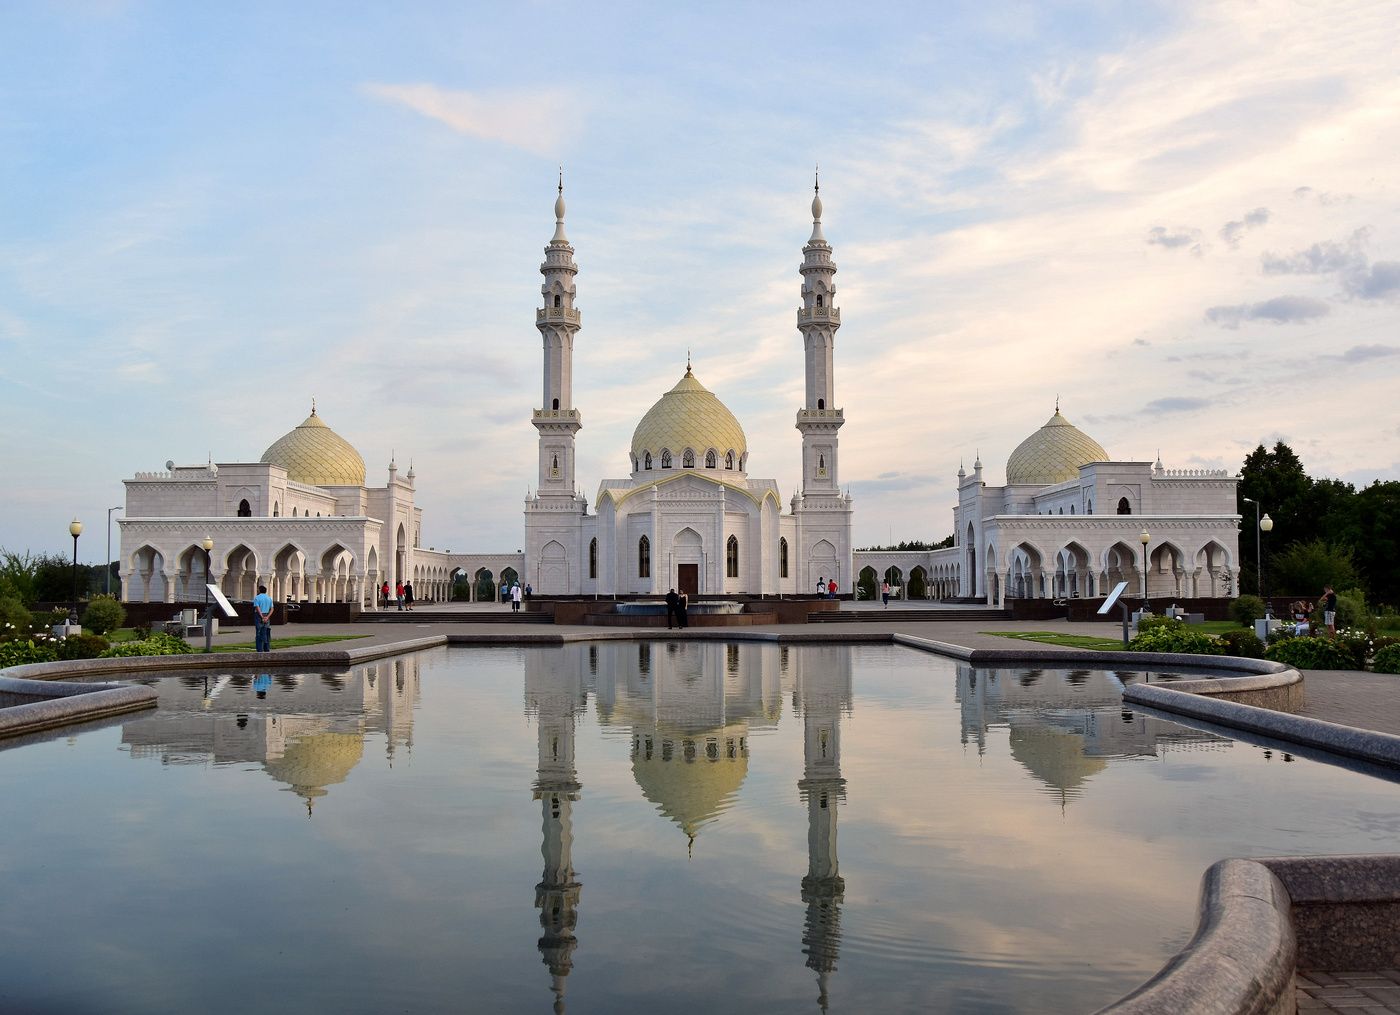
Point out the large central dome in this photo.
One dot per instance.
(1053, 454)
(688, 416)
(315, 454)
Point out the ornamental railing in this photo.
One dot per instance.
(556, 414)
(819, 314)
(557, 314)
(1196, 473)
(821, 413)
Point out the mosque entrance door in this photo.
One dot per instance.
(688, 579)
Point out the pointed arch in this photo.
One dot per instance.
(644, 557)
(731, 557)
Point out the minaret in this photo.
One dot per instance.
(557, 787)
(557, 420)
(824, 691)
(817, 319)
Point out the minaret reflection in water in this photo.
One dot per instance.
(824, 693)
(555, 693)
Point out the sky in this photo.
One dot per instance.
(1181, 219)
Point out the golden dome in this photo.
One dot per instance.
(315, 761)
(1055, 758)
(691, 793)
(315, 454)
(688, 416)
(1053, 454)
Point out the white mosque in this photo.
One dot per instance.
(1069, 522)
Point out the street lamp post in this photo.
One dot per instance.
(208, 615)
(1258, 560)
(1267, 524)
(75, 530)
(108, 587)
(1145, 537)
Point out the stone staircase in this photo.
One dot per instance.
(453, 617)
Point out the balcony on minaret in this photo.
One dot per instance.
(816, 415)
(559, 314)
(556, 414)
(805, 314)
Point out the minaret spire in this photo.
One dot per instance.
(558, 322)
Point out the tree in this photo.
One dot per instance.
(1304, 568)
(1370, 525)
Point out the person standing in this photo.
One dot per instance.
(831, 589)
(505, 592)
(682, 610)
(515, 596)
(672, 601)
(398, 594)
(384, 595)
(885, 593)
(528, 591)
(262, 620)
(821, 584)
(1329, 609)
(408, 595)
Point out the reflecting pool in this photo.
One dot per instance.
(644, 826)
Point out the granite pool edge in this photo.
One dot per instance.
(38, 705)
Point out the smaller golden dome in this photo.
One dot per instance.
(317, 760)
(315, 454)
(1053, 454)
(689, 416)
(689, 787)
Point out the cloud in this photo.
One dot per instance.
(1231, 232)
(1171, 240)
(1279, 310)
(525, 119)
(1141, 341)
(1319, 259)
(1361, 353)
(1163, 405)
(1381, 282)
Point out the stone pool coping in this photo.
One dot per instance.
(29, 706)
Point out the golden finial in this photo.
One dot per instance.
(561, 179)
(313, 405)
(687, 359)
(817, 179)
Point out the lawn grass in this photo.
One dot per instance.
(303, 639)
(1063, 640)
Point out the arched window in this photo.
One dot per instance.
(557, 301)
(782, 558)
(644, 558)
(556, 461)
(646, 462)
(294, 512)
(729, 460)
(688, 459)
(821, 461)
(731, 558)
(665, 458)
(821, 403)
(819, 299)
(711, 459)
(276, 510)
(556, 403)
(1089, 508)
(1071, 509)
(1124, 508)
(593, 558)
(1062, 510)
(244, 511)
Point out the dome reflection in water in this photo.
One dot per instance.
(638, 826)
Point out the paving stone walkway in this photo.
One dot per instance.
(1355, 993)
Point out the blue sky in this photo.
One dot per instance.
(1180, 218)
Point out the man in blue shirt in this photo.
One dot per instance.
(262, 620)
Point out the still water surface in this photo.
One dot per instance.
(627, 826)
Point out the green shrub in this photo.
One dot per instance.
(1165, 639)
(43, 623)
(1387, 659)
(1319, 653)
(1243, 643)
(1246, 610)
(1357, 645)
(19, 653)
(1159, 624)
(104, 614)
(158, 644)
(15, 620)
(82, 646)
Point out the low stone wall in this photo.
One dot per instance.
(694, 620)
(1087, 609)
(591, 612)
(27, 706)
(1241, 959)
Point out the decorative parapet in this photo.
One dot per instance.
(558, 314)
(808, 314)
(186, 475)
(556, 414)
(1195, 473)
(821, 413)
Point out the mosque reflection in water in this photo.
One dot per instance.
(307, 730)
(688, 710)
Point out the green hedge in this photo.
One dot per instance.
(1176, 639)
(1387, 659)
(82, 646)
(1243, 643)
(158, 644)
(21, 653)
(1312, 654)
